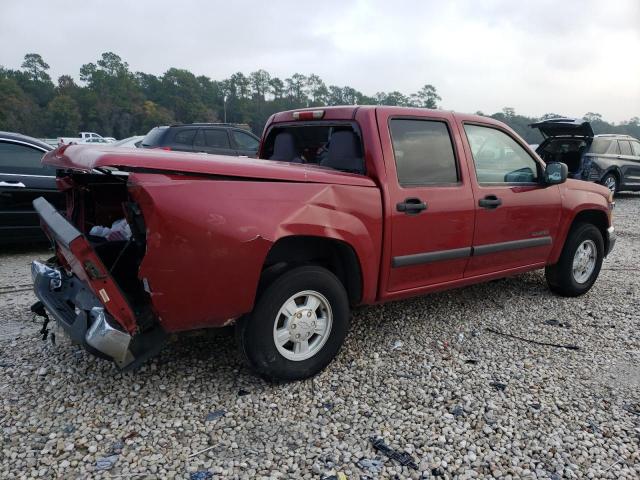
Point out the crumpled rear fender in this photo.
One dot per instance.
(208, 237)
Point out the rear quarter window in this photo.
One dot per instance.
(154, 137)
(599, 146)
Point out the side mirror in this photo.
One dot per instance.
(555, 173)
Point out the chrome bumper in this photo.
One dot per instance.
(611, 240)
(86, 322)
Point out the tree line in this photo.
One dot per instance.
(114, 101)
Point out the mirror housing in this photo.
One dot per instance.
(555, 173)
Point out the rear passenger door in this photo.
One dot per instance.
(215, 141)
(22, 179)
(431, 201)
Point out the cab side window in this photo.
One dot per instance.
(423, 152)
(636, 148)
(498, 158)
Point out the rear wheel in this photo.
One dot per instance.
(610, 180)
(297, 326)
(580, 262)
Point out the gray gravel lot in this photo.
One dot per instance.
(423, 374)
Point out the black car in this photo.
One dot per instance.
(612, 160)
(218, 138)
(22, 179)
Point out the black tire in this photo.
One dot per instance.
(255, 334)
(560, 277)
(610, 180)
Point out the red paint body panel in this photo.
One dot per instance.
(211, 220)
(207, 239)
(87, 157)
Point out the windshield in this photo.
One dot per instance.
(336, 146)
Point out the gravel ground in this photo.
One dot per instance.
(425, 375)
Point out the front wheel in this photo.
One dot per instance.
(297, 326)
(580, 262)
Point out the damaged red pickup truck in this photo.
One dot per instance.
(345, 206)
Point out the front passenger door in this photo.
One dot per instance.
(517, 216)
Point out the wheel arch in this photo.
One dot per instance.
(614, 170)
(337, 256)
(595, 217)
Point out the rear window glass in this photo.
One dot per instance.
(153, 138)
(625, 147)
(337, 146)
(636, 148)
(423, 152)
(600, 146)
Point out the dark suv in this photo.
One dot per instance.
(218, 138)
(611, 160)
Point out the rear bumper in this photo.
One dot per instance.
(79, 312)
(611, 240)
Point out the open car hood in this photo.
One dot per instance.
(556, 127)
(87, 158)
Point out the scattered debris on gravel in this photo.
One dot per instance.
(457, 400)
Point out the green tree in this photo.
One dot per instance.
(63, 116)
(426, 97)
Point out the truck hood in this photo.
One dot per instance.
(87, 158)
(556, 127)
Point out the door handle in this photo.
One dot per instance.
(411, 206)
(490, 202)
(12, 184)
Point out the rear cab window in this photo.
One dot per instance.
(336, 145)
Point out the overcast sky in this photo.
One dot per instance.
(567, 57)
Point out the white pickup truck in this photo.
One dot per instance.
(85, 137)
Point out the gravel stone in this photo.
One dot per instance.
(563, 413)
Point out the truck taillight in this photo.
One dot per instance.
(308, 115)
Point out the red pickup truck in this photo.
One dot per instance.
(344, 206)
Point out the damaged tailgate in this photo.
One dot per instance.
(84, 262)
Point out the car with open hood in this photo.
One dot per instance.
(612, 160)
